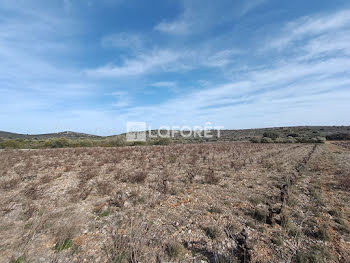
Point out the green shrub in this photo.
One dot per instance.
(266, 140)
(11, 144)
(138, 143)
(62, 245)
(320, 139)
(215, 210)
(83, 143)
(271, 135)
(20, 259)
(162, 141)
(338, 136)
(277, 239)
(310, 139)
(174, 250)
(57, 143)
(290, 139)
(255, 140)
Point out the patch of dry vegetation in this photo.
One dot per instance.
(215, 202)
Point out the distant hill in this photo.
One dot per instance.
(225, 135)
(247, 134)
(65, 134)
(284, 132)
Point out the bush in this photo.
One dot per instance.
(64, 236)
(83, 143)
(266, 140)
(259, 215)
(215, 210)
(291, 139)
(11, 144)
(138, 143)
(62, 245)
(271, 135)
(338, 136)
(58, 143)
(311, 139)
(211, 178)
(255, 140)
(162, 141)
(277, 239)
(139, 177)
(212, 232)
(118, 141)
(322, 233)
(320, 139)
(174, 250)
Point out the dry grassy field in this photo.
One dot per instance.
(214, 202)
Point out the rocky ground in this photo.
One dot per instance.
(214, 202)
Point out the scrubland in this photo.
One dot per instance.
(211, 202)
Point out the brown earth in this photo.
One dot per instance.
(178, 203)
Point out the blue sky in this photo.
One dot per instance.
(92, 65)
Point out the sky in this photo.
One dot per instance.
(93, 65)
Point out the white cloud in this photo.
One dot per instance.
(249, 5)
(220, 58)
(157, 60)
(165, 84)
(179, 27)
(311, 26)
(202, 15)
(329, 43)
(166, 60)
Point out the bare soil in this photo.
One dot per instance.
(214, 202)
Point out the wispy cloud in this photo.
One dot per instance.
(166, 60)
(199, 16)
(157, 60)
(165, 84)
(311, 26)
(179, 27)
(250, 5)
(220, 58)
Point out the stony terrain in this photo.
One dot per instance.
(213, 202)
